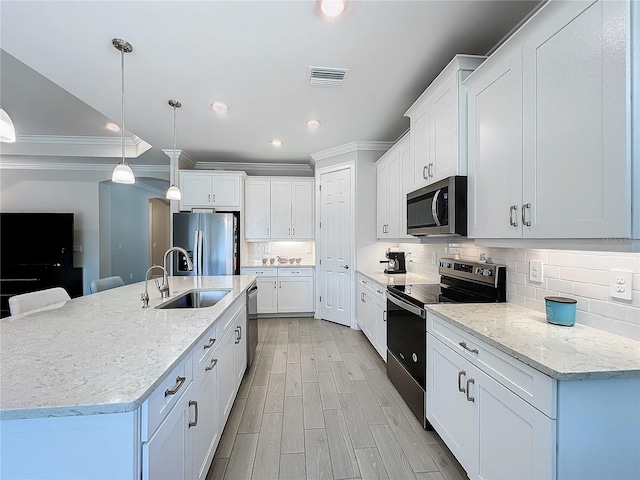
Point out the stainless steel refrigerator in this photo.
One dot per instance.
(212, 241)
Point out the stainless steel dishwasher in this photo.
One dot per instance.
(252, 322)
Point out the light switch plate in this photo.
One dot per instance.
(535, 271)
(620, 285)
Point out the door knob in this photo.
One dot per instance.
(346, 267)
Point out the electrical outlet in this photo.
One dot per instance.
(535, 271)
(620, 284)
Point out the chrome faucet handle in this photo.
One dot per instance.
(145, 299)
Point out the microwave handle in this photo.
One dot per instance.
(434, 207)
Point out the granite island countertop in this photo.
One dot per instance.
(101, 353)
(399, 278)
(565, 353)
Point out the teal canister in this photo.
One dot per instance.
(560, 310)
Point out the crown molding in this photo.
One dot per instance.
(78, 166)
(75, 146)
(256, 166)
(351, 147)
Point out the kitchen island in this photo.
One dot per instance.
(87, 387)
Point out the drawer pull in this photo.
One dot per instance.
(470, 398)
(211, 365)
(460, 387)
(179, 382)
(193, 403)
(210, 344)
(472, 350)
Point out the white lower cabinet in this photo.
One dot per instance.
(203, 429)
(240, 348)
(492, 432)
(284, 290)
(226, 375)
(371, 311)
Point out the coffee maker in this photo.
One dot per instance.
(395, 262)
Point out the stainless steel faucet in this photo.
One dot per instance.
(145, 295)
(164, 288)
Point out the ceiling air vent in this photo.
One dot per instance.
(327, 77)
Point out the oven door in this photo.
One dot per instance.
(407, 336)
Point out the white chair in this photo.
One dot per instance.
(26, 302)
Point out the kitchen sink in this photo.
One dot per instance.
(195, 299)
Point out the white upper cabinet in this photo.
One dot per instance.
(549, 141)
(391, 194)
(202, 189)
(279, 209)
(438, 125)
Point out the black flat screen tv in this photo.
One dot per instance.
(36, 239)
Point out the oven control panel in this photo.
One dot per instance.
(468, 270)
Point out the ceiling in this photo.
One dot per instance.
(62, 86)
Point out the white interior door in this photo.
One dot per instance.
(336, 244)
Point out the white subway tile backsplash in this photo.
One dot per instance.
(633, 315)
(609, 310)
(517, 278)
(584, 275)
(522, 267)
(596, 292)
(551, 271)
(526, 291)
(561, 286)
(516, 299)
(534, 304)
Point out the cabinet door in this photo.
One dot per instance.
(422, 143)
(395, 197)
(448, 409)
(575, 90)
(240, 346)
(225, 191)
(205, 434)
(196, 190)
(495, 146)
(445, 161)
(280, 209)
(257, 220)
(295, 294)
(166, 454)
(302, 210)
(361, 306)
(515, 440)
(226, 376)
(383, 197)
(267, 294)
(406, 182)
(380, 319)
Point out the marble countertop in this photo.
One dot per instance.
(101, 353)
(564, 353)
(398, 278)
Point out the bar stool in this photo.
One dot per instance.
(106, 283)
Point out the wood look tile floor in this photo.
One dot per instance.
(317, 404)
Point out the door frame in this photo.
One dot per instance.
(348, 165)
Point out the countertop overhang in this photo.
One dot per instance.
(101, 353)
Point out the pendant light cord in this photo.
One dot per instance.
(123, 152)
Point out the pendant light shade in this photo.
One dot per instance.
(174, 192)
(7, 132)
(122, 173)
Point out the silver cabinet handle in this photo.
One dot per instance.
(379, 291)
(461, 373)
(289, 231)
(209, 198)
(513, 209)
(362, 297)
(179, 382)
(210, 344)
(384, 316)
(214, 198)
(274, 285)
(526, 207)
(240, 332)
(237, 337)
(429, 170)
(425, 175)
(294, 231)
(211, 365)
(470, 398)
(280, 284)
(191, 404)
(472, 350)
(267, 231)
(346, 267)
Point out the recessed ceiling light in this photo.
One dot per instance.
(219, 107)
(276, 143)
(332, 8)
(313, 124)
(113, 127)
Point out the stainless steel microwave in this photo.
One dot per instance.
(439, 209)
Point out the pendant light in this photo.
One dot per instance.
(7, 132)
(122, 173)
(174, 192)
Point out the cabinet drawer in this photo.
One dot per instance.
(204, 348)
(157, 406)
(260, 272)
(295, 272)
(528, 383)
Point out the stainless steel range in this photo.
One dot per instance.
(460, 282)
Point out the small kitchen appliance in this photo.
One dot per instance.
(460, 282)
(560, 310)
(439, 209)
(395, 262)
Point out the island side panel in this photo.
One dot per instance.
(80, 447)
(599, 429)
